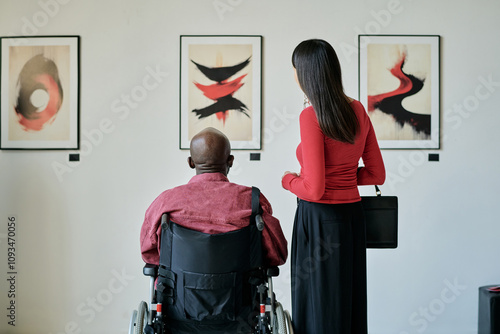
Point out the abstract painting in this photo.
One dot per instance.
(39, 86)
(399, 87)
(220, 87)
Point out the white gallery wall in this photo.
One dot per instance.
(78, 262)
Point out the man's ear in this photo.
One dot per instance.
(191, 163)
(230, 160)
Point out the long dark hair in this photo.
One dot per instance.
(320, 77)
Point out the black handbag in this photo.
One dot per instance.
(381, 216)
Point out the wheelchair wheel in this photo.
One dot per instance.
(289, 322)
(279, 324)
(141, 318)
(133, 319)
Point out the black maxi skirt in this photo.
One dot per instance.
(329, 269)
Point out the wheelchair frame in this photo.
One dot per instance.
(271, 318)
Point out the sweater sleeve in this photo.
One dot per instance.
(149, 242)
(273, 239)
(311, 182)
(373, 172)
(151, 230)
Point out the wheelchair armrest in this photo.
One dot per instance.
(273, 271)
(150, 270)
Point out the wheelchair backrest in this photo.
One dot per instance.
(205, 277)
(194, 251)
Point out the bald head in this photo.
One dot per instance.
(210, 152)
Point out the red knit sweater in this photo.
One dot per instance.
(329, 168)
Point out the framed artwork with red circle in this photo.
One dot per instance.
(39, 106)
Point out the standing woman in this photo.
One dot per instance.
(329, 242)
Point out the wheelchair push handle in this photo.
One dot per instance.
(256, 209)
(259, 222)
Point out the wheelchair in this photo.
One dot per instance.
(211, 284)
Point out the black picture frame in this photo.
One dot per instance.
(40, 92)
(204, 96)
(399, 84)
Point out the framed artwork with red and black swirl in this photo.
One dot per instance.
(220, 87)
(39, 105)
(399, 85)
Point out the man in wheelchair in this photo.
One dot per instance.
(211, 243)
